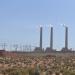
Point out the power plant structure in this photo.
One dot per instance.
(50, 49)
(41, 33)
(65, 49)
(66, 38)
(51, 39)
(40, 49)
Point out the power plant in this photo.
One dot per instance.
(50, 48)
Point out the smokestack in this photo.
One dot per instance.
(41, 37)
(51, 38)
(66, 37)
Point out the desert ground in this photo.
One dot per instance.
(22, 64)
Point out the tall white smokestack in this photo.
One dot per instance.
(51, 38)
(66, 37)
(41, 37)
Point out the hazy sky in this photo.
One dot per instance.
(20, 20)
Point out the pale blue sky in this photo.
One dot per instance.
(20, 20)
